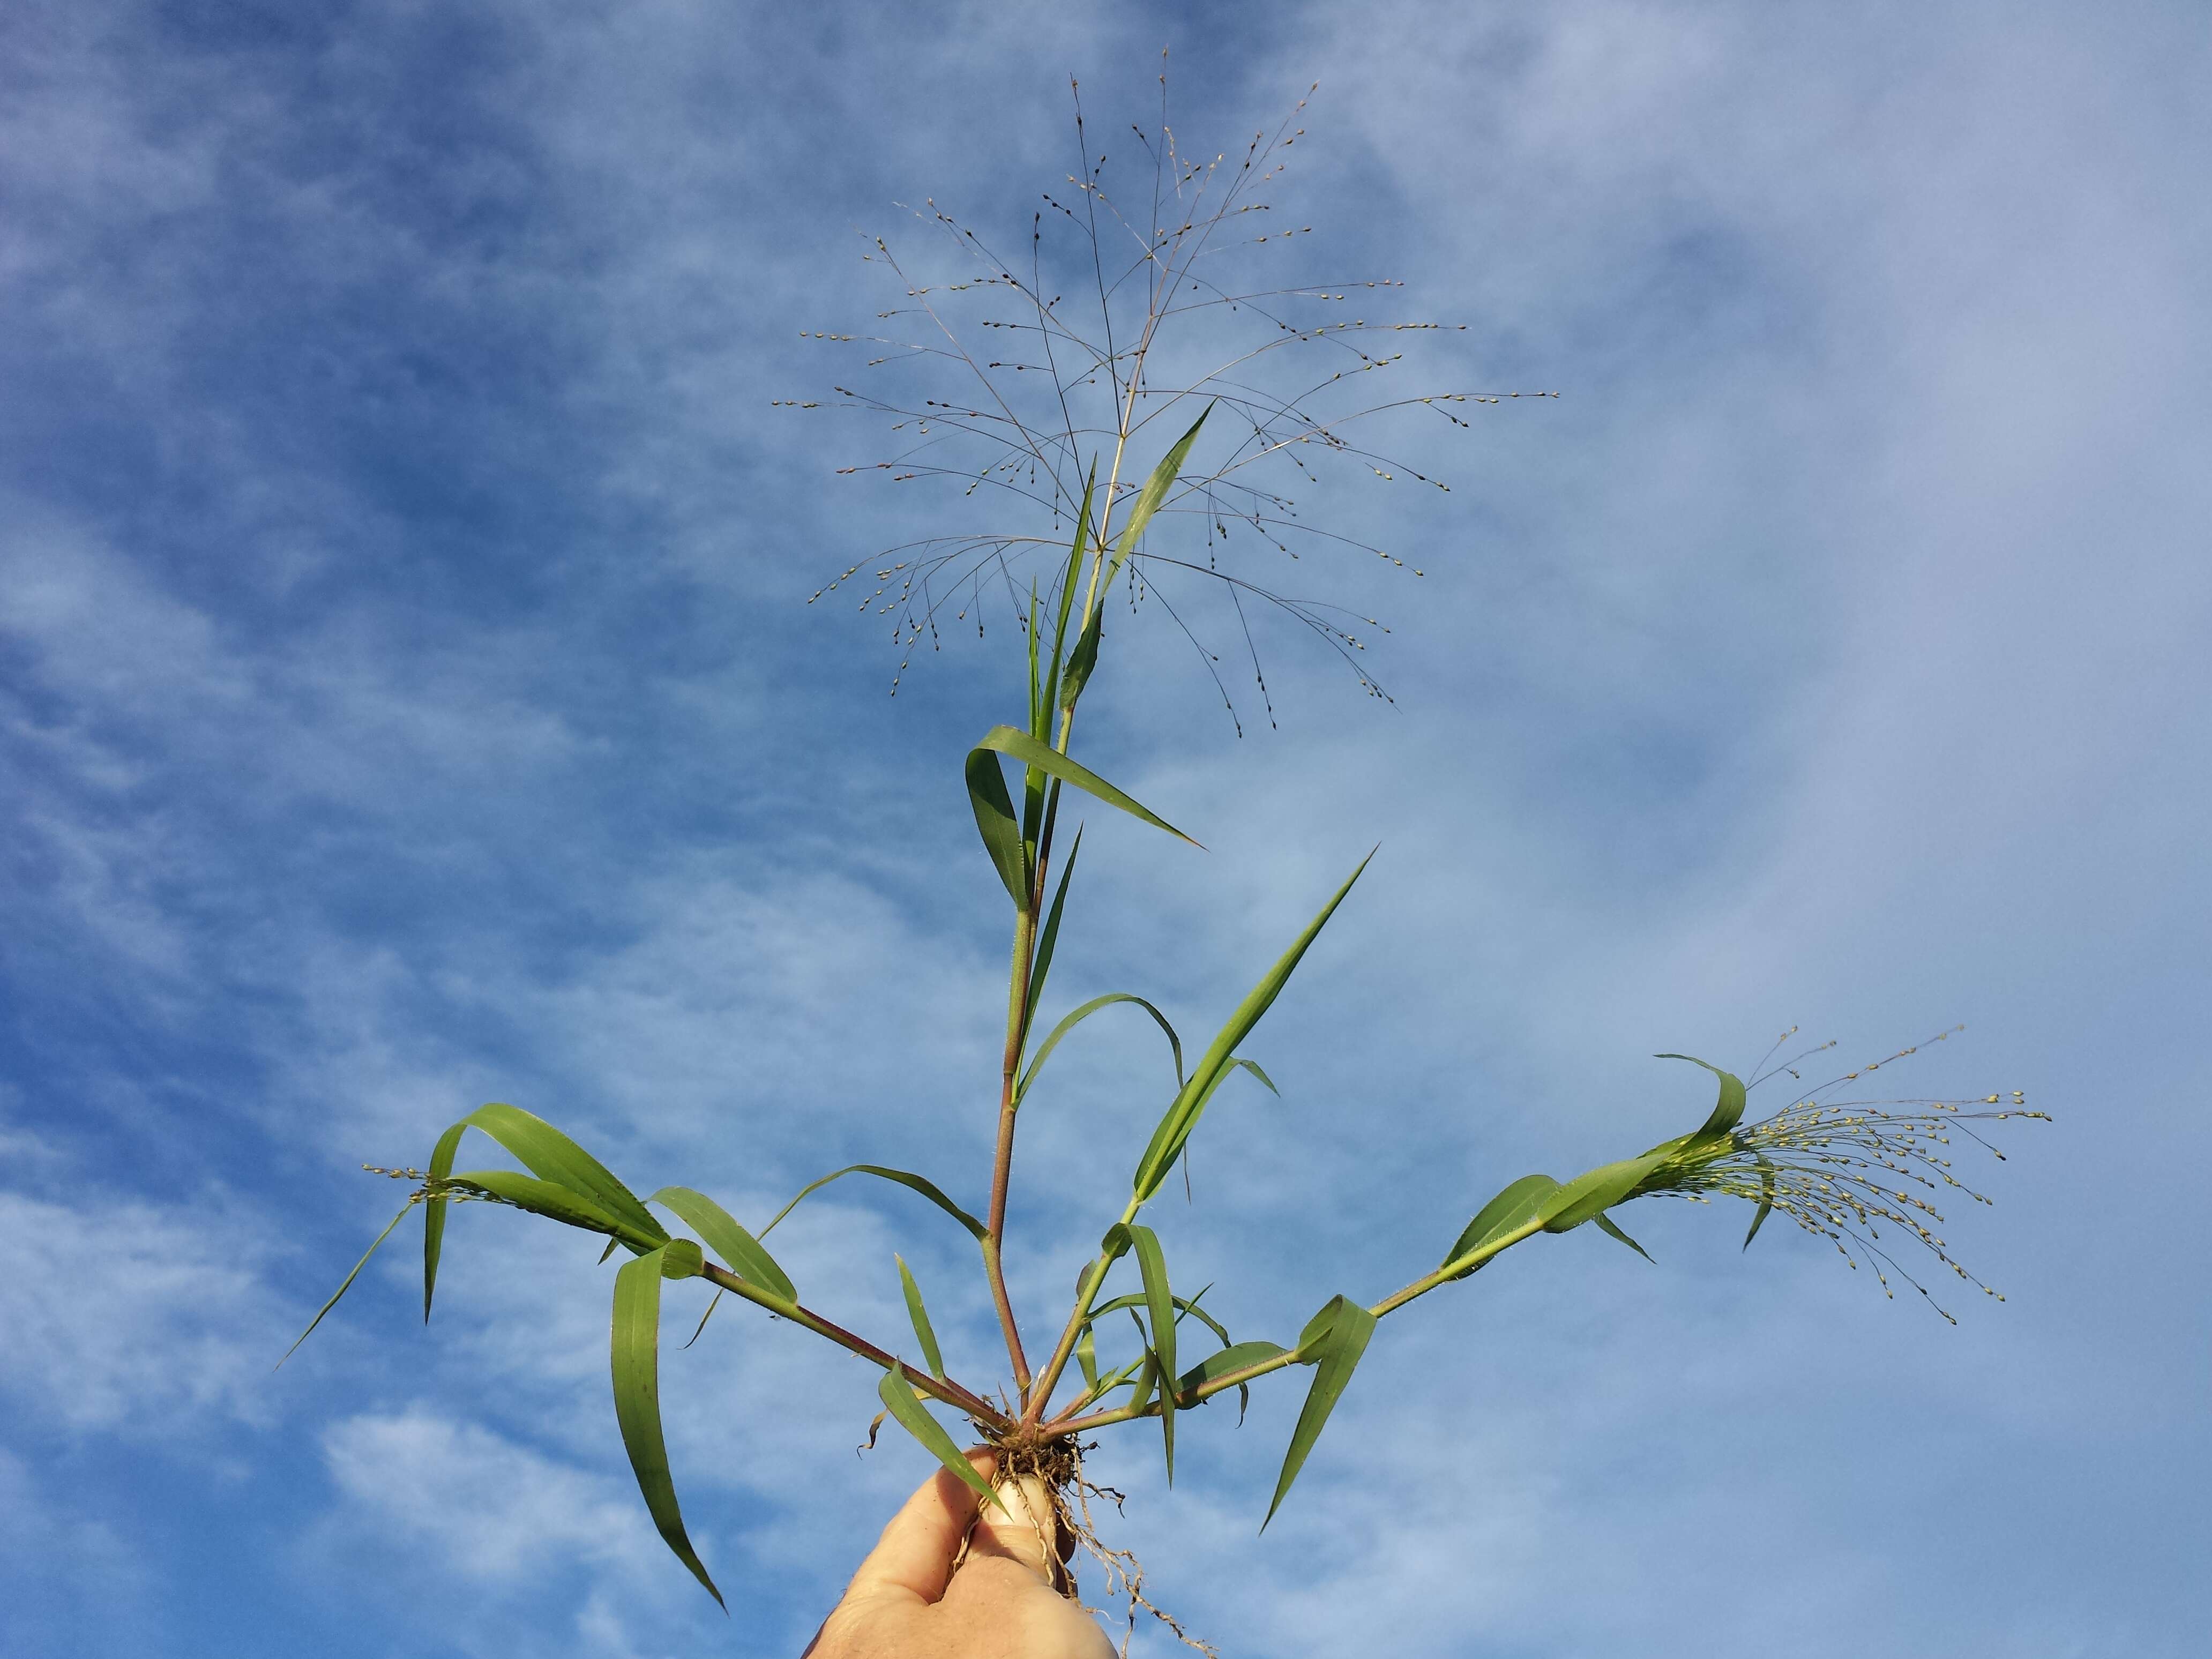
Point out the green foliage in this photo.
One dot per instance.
(1836, 1168)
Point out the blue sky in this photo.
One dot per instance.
(408, 698)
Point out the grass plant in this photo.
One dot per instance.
(1139, 451)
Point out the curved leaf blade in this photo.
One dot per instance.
(897, 1395)
(996, 823)
(548, 1153)
(555, 1202)
(1018, 744)
(739, 1250)
(1728, 1112)
(1070, 1021)
(1345, 1339)
(634, 1359)
(928, 1189)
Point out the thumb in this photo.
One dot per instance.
(1024, 1531)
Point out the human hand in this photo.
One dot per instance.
(906, 1602)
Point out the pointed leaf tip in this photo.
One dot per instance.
(1342, 1340)
(897, 1395)
(635, 1363)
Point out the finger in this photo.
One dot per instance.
(1026, 1532)
(913, 1557)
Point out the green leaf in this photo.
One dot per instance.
(554, 1202)
(1040, 965)
(1729, 1109)
(1086, 1355)
(1190, 1105)
(1084, 658)
(1514, 1207)
(1020, 745)
(928, 1189)
(740, 1251)
(682, 1258)
(635, 1353)
(1152, 495)
(1597, 1190)
(434, 1211)
(1253, 1066)
(897, 1395)
(1610, 1227)
(1235, 1358)
(1072, 1021)
(1344, 1340)
(1765, 1200)
(347, 1286)
(923, 1333)
(1036, 673)
(546, 1152)
(1159, 1303)
(995, 823)
(1309, 1348)
(1052, 694)
(1183, 1306)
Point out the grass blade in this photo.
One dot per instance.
(1765, 1201)
(1235, 1358)
(1068, 1024)
(1335, 1352)
(1594, 1191)
(1611, 1229)
(1019, 745)
(550, 1155)
(1052, 690)
(1049, 937)
(1084, 659)
(347, 1286)
(1189, 1103)
(434, 1211)
(634, 1361)
(1150, 499)
(1512, 1208)
(923, 1332)
(1729, 1109)
(1159, 1303)
(897, 1395)
(739, 1250)
(928, 1189)
(995, 823)
(555, 1203)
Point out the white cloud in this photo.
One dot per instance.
(135, 1318)
(463, 1500)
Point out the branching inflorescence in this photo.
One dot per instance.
(1053, 421)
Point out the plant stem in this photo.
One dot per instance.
(1002, 1161)
(1087, 1293)
(951, 1393)
(1067, 1424)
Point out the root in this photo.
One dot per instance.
(1058, 1465)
